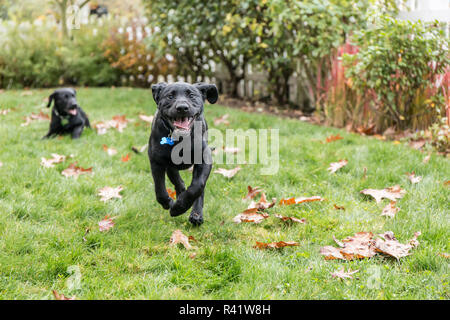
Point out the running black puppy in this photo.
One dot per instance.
(180, 115)
(67, 116)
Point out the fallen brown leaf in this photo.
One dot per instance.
(413, 178)
(50, 163)
(145, 118)
(357, 247)
(335, 166)
(275, 245)
(250, 215)
(252, 192)
(444, 255)
(74, 171)
(342, 274)
(288, 219)
(333, 138)
(126, 158)
(227, 173)
(262, 204)
(110, 151)
(388, 245)
(290, 201)
(222, 119)
(61, 296)
(391, 193)
(390, 210)
(108, 193)
(338, 207)
(106, 224)
(41, 116)
(171, 193)
(117, 122)
(179, 237)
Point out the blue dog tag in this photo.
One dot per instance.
(167, 140)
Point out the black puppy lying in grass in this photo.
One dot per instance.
(67, 116)
(178, 131)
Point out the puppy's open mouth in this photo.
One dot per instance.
(183, 123)
(72, 112)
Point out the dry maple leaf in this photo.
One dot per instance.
(331, 253)
(338, 207)
(413, 178)
(447, 183)
(117, 122)
(391, 193)
(342, 274)
(61, 296)
(390, 210)
(252, 192)
(74, 171)
(50, 163)
(227, 173)
(290, 201)
(289, 219)
(38, 117)
(179, 237)
(145, 118)
(108, 193)
(262, 204)
(250, 215)
(444, 255)
(126, 158)
(222, 119)
(171, 193)
(335, 166)
(106, 224)
(357, 247)
(110, 151)
(333, 138)
(388, 245)
(275, 245)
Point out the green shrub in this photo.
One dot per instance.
(396, 66)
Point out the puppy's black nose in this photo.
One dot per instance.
(74, 106)
(182, 108)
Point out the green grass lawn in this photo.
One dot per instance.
(44, 215)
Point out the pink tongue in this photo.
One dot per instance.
(73, 112)
(184, 124)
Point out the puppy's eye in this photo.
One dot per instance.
(191, 95)
(171, 96)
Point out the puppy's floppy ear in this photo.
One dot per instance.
(209, 91)
(156, 90)
(74, 91)
(50, 99)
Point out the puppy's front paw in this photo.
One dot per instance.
(168, 205)
(177, 209)
(196, 218)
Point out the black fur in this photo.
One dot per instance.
(66, 109)
(180, 100)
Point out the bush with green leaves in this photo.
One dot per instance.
(397, 66)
